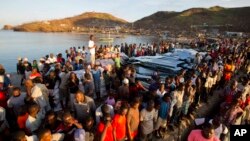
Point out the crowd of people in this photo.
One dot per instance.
(58, 105)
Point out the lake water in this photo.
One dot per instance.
(36, 45)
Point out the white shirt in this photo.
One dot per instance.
(40, 66)
(37, 95)
(159, 93)
(32, 124)
(52, 60)
(209, 82)
(31, 138)
(91, 44)
(219, 130)
(57, 137)
(147, 120)
(177, 97)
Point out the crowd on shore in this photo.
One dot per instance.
(57, 105)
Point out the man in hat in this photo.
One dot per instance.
(52, 59)
(41, 64)
(27, 65)
(123, 90)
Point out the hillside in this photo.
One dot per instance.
(89, 21)
(234, 19)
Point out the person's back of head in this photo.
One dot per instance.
(44, 135)
(91, 37)
(207, 131)
(29, 101)
(51, 117)
(2, 71)
(166, 97)
(106, 118)
(150, 105)
(123, 108)
(33, 109)
(88, 123)
(87, 76)
(105, 109)
(18, 136)
(66, 117)
(136, 100)
(37, 80)
(23, 110)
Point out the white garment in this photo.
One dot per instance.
(39, 98)
(209, 82)
(37, 95)
(246, 113)
(32, 124)
(52, 60)
(245, 91)
(160, 94)
(177, 98)
(31, 138)
(219, 130)
(91, 44)
(40, 66)
(214, 79)
(147, 120)
(3, 118)
(57, 137)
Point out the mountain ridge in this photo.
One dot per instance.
(184, 20)
(78, 23)
(231, 19)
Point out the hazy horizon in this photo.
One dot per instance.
(17, 12)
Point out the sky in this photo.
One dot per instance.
(15, 12)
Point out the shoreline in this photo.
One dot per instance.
(75, 32)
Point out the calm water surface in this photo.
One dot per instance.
(36, 45)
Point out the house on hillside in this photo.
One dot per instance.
(63, 25)
(165, 34)
(46, 22)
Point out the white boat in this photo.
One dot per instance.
(108, 39)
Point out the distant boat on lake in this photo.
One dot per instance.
(107, 39)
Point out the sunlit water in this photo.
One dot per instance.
(36, 45)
